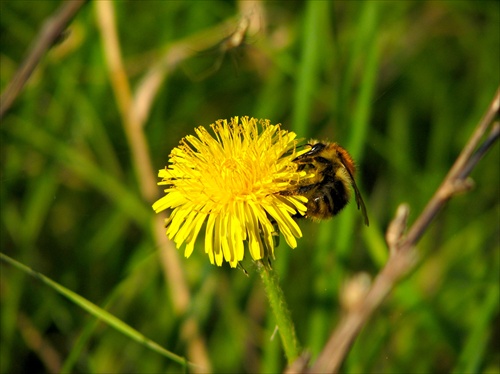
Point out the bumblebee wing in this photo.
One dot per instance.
(359, 199)
(360, 202)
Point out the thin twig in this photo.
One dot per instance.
(178, 52)
(478, 155)
(402, 249)
(174, 55)
(51, 30)
(447, 188)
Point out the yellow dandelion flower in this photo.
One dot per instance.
(230, 183)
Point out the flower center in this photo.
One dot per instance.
(236, 177)
(231, 165)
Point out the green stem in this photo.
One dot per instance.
(281, 312)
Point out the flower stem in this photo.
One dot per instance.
(281, 312)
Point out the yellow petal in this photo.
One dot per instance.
(198, 222)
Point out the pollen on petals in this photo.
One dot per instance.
(228, 181)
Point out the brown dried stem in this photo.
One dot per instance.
(39, 344)
(402, 248)
(48, 35)
(170, 262)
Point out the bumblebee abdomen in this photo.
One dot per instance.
(327, 200)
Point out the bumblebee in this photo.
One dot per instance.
(329, 189)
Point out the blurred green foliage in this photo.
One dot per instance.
(399, 84)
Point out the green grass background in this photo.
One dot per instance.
(401, 84)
